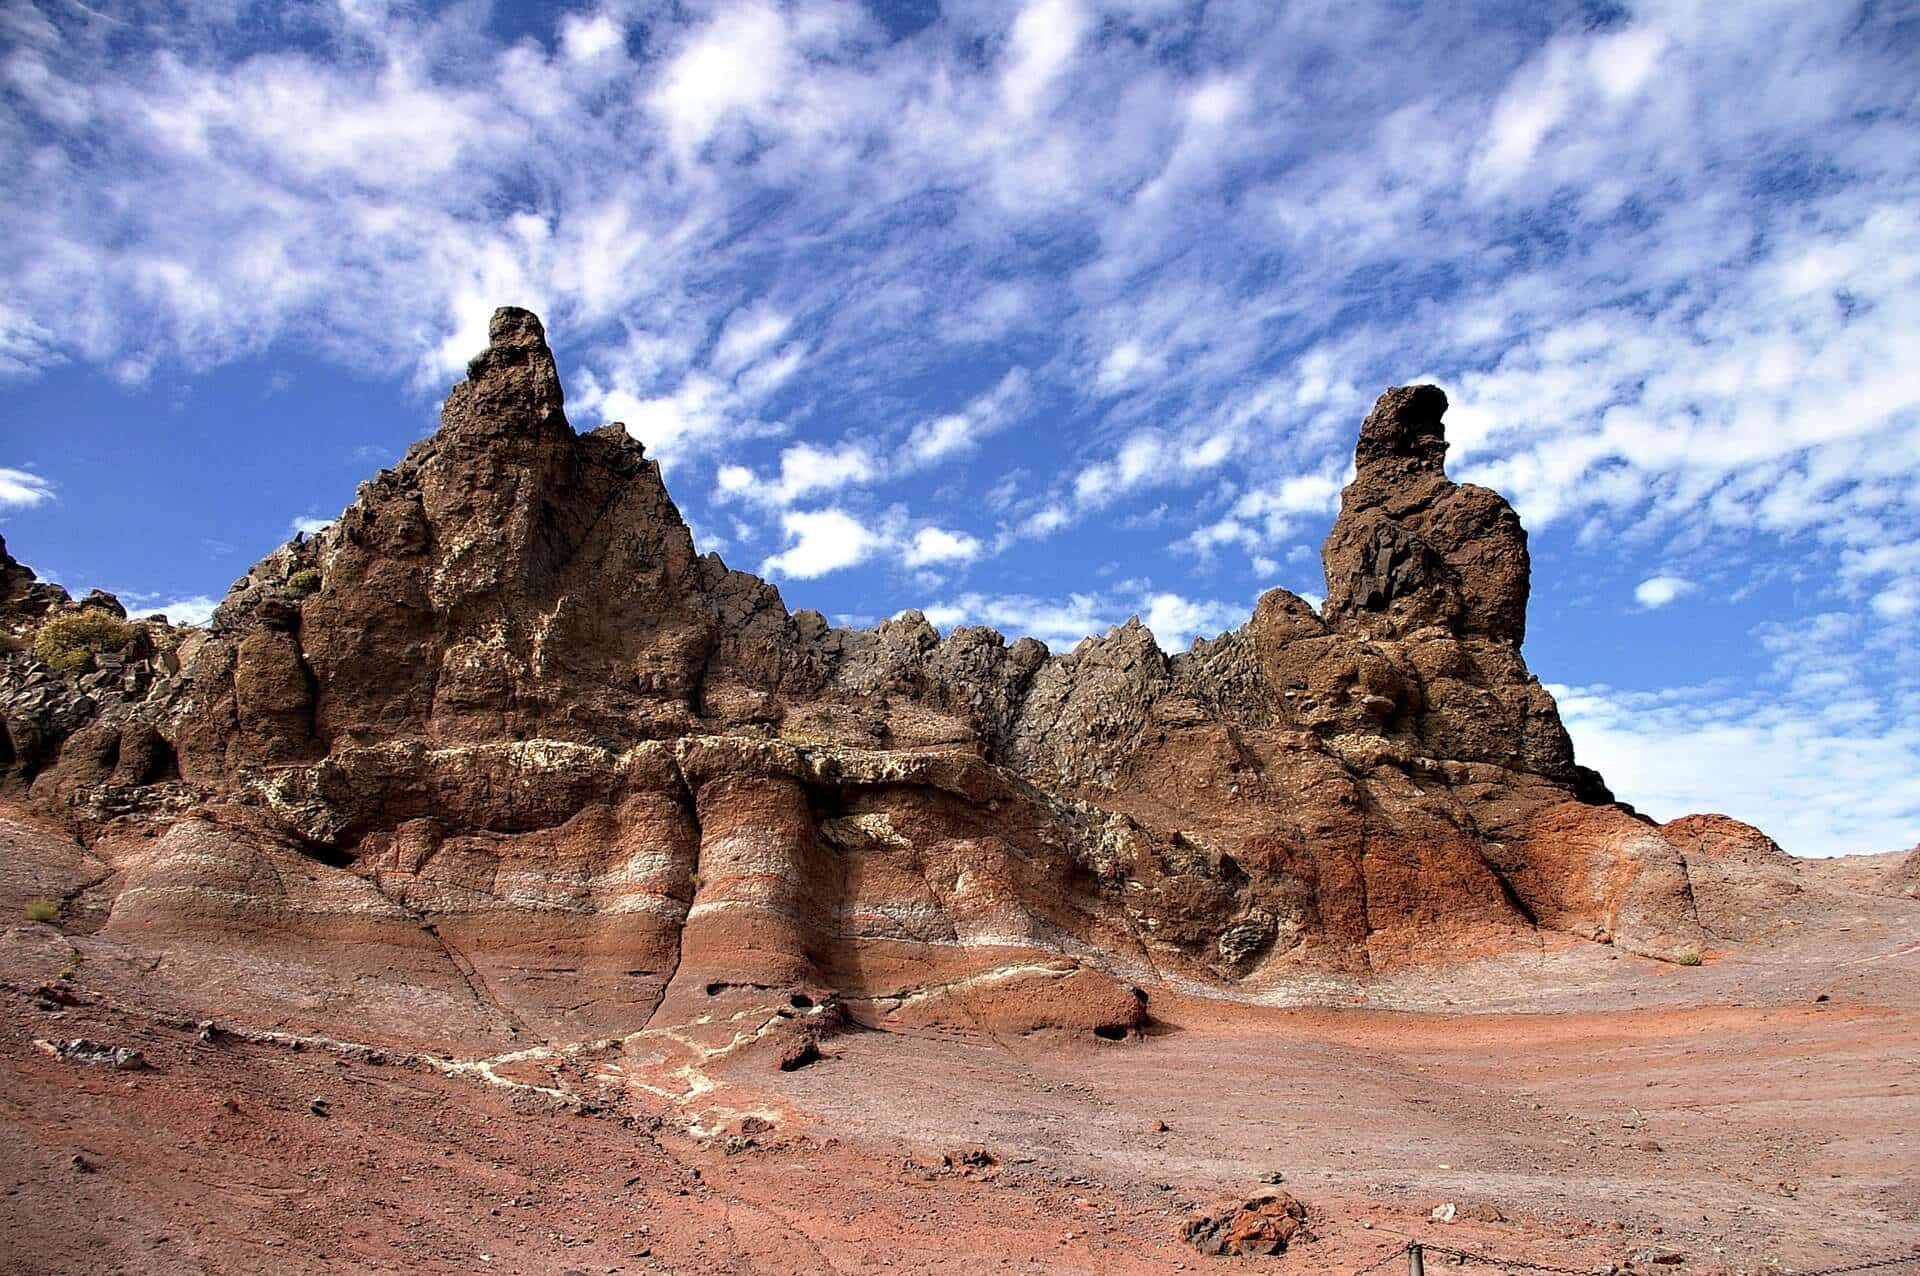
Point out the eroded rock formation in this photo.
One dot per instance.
(502, 709)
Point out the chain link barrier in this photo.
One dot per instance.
(1492, 1260)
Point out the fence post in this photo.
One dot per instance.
(1416, 1264)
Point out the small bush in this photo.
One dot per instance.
(305, 581)
(70, 641)
(1691, 957)
(42, 910)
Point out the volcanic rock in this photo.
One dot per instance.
(1264, 1224)
(501, 714)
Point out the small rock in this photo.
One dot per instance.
(81, 1164)
(1663, 1257)
(320, 1107)
(1273, 1176)
(1444, 1213)
(53, 997)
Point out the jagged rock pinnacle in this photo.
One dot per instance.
(513, 384)
(1414, 550)
(1405, 425)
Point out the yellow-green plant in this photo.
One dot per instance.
(305, 581)
(42, 910)
(68, 642)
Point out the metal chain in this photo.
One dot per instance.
(1862, 1267)
(1491, 1261)
(1377, 1264)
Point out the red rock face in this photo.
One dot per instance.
(503, 709)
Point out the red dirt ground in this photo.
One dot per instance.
(1575, 1107)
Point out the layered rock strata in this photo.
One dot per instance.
(502, 709)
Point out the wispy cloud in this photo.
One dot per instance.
(23, 489)
(1127, 255)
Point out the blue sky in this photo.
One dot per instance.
(1037, 313)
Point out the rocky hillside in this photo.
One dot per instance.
(503, 707)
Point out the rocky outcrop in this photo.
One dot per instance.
(84, 734)
(1906, 878)
(503, 706)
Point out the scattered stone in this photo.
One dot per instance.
(1444, 1213)
(1661, 1257)
(54, 996)
(320, 1107)
(81, 1164)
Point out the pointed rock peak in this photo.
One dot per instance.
(1404, 427)
(513, 327)
(512, 385)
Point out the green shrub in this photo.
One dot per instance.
(305, 581)
(70, 641)
(42, 910)
(1689, 957)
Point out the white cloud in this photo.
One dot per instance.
(938, 545)
(1658, 591)
(1122, 364)
(585, 39)
(956, 433)
(749, 333)
(737, 64)
(1177, 621)
(1266, 517)
(196, 610)
(805, 470)
(1063, 623)
(1042, 43)
(23, 489)
(1816, 785)
(821, 541)
(307, 526)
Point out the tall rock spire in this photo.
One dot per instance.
(513, 384)
(1414, 550)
